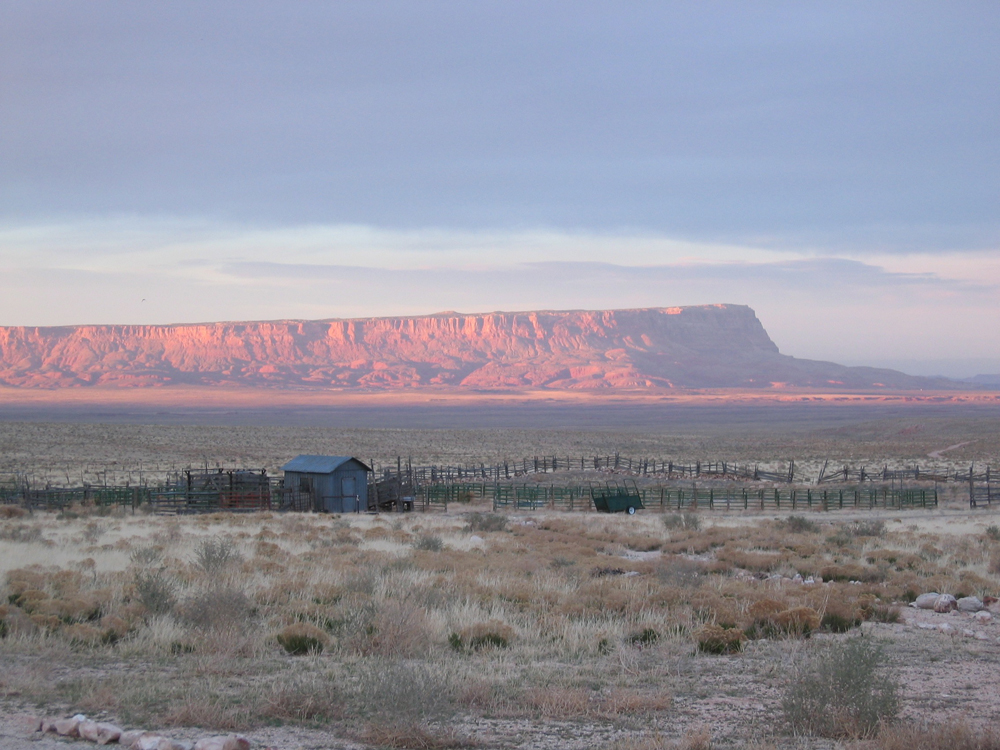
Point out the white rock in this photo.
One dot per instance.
(809, 581)
(128, 738)
(945, 628)
(100, 733)
(970, 604)
(983, 616)
(945, 603)
(968, 633)
(476, 539)
(228, 742)
(66, 727)
(927, 626)
(925, 601)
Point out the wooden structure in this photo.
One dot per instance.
(221, 490)
(327, 484)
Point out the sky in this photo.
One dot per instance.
(836, 166)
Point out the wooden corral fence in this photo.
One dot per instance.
(863, 474)
(663, 499)
(983, 489)
(235, 490)
(618, 464)
(511, 469)
(59, 498)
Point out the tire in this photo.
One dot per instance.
(631, 510)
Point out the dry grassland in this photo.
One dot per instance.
(74, 453)
(478, 630)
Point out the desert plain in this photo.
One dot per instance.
(529, 629)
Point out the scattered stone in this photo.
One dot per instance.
(228, 742)
(128, 738)
(926, 601)
(981, 636)
(945, 628)
(968, 633)
(988, 600)
(66, 727)
(945, 603)
(476, 539)
(983, 616)
(970, 604)
(809, 581)
(927, 626)
(100, 733)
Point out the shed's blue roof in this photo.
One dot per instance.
(320, 464)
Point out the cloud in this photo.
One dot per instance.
(865, 127)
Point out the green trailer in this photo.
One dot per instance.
(615, 498)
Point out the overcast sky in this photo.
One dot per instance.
(834, 165)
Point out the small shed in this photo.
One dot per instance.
(336, 484)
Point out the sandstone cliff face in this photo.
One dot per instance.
(689, 347)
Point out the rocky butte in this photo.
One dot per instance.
(711, 346)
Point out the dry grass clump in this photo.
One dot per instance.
(482, 635)
(715, 639)
(302, 638)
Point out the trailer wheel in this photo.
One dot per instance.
(631, 510)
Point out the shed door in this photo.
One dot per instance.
(348, 491)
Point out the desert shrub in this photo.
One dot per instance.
(155, 591)
(487, 522)
(839, 619)
(146, 555)
(800, 525)
(217, 609)
(212, 556)
(302, 697)
(993, 532)
(483, 635)
(401, 693)
(675, 570)
(715, 639)
(644, 637)
(797, 621)
(603, 571)
(429, 543)
(3, 628)
(302, 638)
(869, 527)
(81, 634)
(20, 532)
(12, 511)
(767, 621)
(682, 521)
(846, 691)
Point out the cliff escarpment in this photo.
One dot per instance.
(681, 347)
